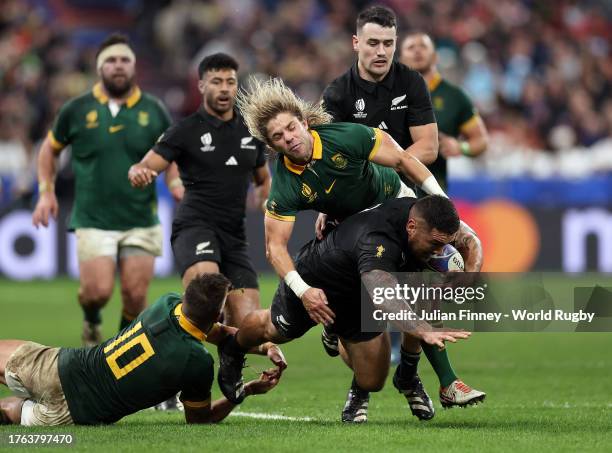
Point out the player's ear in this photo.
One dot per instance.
(201, 85)
(355, 43)
(410, 227)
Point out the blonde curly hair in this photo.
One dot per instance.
(267, 98)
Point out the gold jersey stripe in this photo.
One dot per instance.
(284, 218)
(377, 142)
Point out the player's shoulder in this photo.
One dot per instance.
(452, 88)
(83, 100)
(189, 121)
(332, 130)
(405, 73)
(152, 102)
(340, 84)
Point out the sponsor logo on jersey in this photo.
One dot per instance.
(308, 193)
(382, 126)
(91, 119)
(438, 102)
(143, 118)
(282, 321)
(360, 107)
(339, 161)
(245, 143)
(396, 101)
(231, 161)
(117, 128)
(202, 248)
(329, 189)
(206, 140)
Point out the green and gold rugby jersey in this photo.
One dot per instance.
(454, 112)
(103, 149)
(159, 354)
(339, 181)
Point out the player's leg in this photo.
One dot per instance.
(10, 410)
(238, 268)
(97, 252)
(285, 320)
(138, 248)
(201, 267)
(369, 361)
(407, 381)
(7, 348)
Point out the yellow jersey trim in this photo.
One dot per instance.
(55, 143)
(197, 404)
(284, 218)
(102, 97)
(99, 93)
(187, 325)
(469, 123)
(317, 153)
(434, 82)
(377, 142)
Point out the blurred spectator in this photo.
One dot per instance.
(540, 72)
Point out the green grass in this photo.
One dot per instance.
(545, 392)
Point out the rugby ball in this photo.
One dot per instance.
(448, 260)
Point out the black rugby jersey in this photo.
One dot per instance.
(216, 161)
(400, 101)
(374, 239)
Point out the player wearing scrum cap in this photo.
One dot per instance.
(109, 128)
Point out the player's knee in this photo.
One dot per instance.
(371, 382)
(134, 298)
(11, 408)
(95, 293)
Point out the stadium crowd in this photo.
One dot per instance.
(539, 72)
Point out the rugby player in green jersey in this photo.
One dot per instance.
(159, 354)
(108, 129)
(461, 129)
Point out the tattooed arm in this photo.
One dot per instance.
(468, 244)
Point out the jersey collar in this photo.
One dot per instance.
(187, 325)
(213, 120)
(434, 82)
(317, 153)
(370, 87)
(102, 98)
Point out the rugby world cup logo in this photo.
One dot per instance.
(360, 107)
(206, 140)
(307, 193)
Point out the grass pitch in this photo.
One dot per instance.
(544, 392)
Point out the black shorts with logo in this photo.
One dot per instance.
(292, 321)
(192, 244)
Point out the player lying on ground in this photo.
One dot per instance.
(159, 354)
(399, 235)
(338, 169)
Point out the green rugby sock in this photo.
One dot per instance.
(92, 315)
(440, 363)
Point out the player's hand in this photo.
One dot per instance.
(315, 303)
(141, 176)
(45, 207)
(178, 193)
(449, 146)
(276, 356)
(266, 382)
(320, 225)
(437, 338)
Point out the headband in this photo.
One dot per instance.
(116, 50)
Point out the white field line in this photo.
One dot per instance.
(265, 416)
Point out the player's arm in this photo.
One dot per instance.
(475, 142)
(144, 172)
(278, 233)
(206, 412)
(380, 283)
(174, 182)
(47, 201)
(425, 143)
(390, 154)
(468, 244)
(263, 181)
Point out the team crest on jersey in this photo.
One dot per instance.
(395, 103)
(143, 118)
(206, 140)
(388, 189)
(438, 103)
(92, 119)
(339, 161)
(307, 193)
(246, 143)
(360, 107)
(379, 251)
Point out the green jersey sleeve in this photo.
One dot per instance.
(61, 133)
(197, 390)
(284, 201)
(467, 111)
